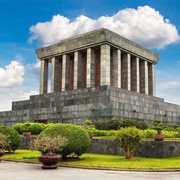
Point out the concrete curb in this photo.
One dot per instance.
(101, 168)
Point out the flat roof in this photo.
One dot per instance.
(95, 38)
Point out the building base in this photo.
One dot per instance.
(95, 103)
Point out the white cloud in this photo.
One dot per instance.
(143, 25)
(34, 68)
(169, 85)
(14, 94)
(12, 75)
(169, 91)
(12, 86)
(21, 95)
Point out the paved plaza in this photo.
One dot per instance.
(25, 171)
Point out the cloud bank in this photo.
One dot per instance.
(12, 75)
(143, 25)
(12, 84)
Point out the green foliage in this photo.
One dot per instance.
(49, 144)
(25, 127)
(133, 123)
(35, 128)
(128, 139)
(170, 134)
(157, 125)
(98, 133)
(141, 125)
(169, 129)
(77, 137)
(17, 127)
(48, 125)
(178, 129)
(14, 137)
(4, 142)
(100, 125)
(113, 124)
(149, 133)
(104, 161)
(88, 122)
(127, 123)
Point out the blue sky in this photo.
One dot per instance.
(27, 25)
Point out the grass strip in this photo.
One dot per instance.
(102, 161)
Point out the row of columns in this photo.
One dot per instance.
(98, 66)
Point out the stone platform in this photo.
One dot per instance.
(95, 103)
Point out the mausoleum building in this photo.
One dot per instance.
(96, 75)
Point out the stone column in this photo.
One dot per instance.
(144, 77)
(117, 68)
(55, 75)
(44, 77)
(64, 62)
(90, 67)
(76, 57)
(105, 65)
(135, 74)
(151, 79)
(126, 71)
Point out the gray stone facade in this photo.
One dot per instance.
(95, 103)
(97, 75)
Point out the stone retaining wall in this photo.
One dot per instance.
(150, 149)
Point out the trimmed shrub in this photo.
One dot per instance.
(35, 128)
(17, 127)
(98, 133)
(13, 136)
(48, 125)
(133, 123)
(25, 127)
(149, 133)
(78, 138)
(141, 125)
(169, 129)
(88, 122)
(101, 124)
(128, 139)
(178, 129)
(113, 124)
(170, 134)
(127, 123)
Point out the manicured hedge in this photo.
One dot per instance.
(13, 136)
(115, 124)
(17, 127)
(77, 136)
(34, 128)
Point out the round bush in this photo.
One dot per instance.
(113, 124)
(35, 128)
(78, 138)
(141, 125)
(48, 125)
(127, 123)
(169, 129)
(13, 136)
(101, 125)
(17, 127)
(25, 127)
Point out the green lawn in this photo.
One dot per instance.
(103, 161)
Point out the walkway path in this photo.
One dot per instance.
(24, 171)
